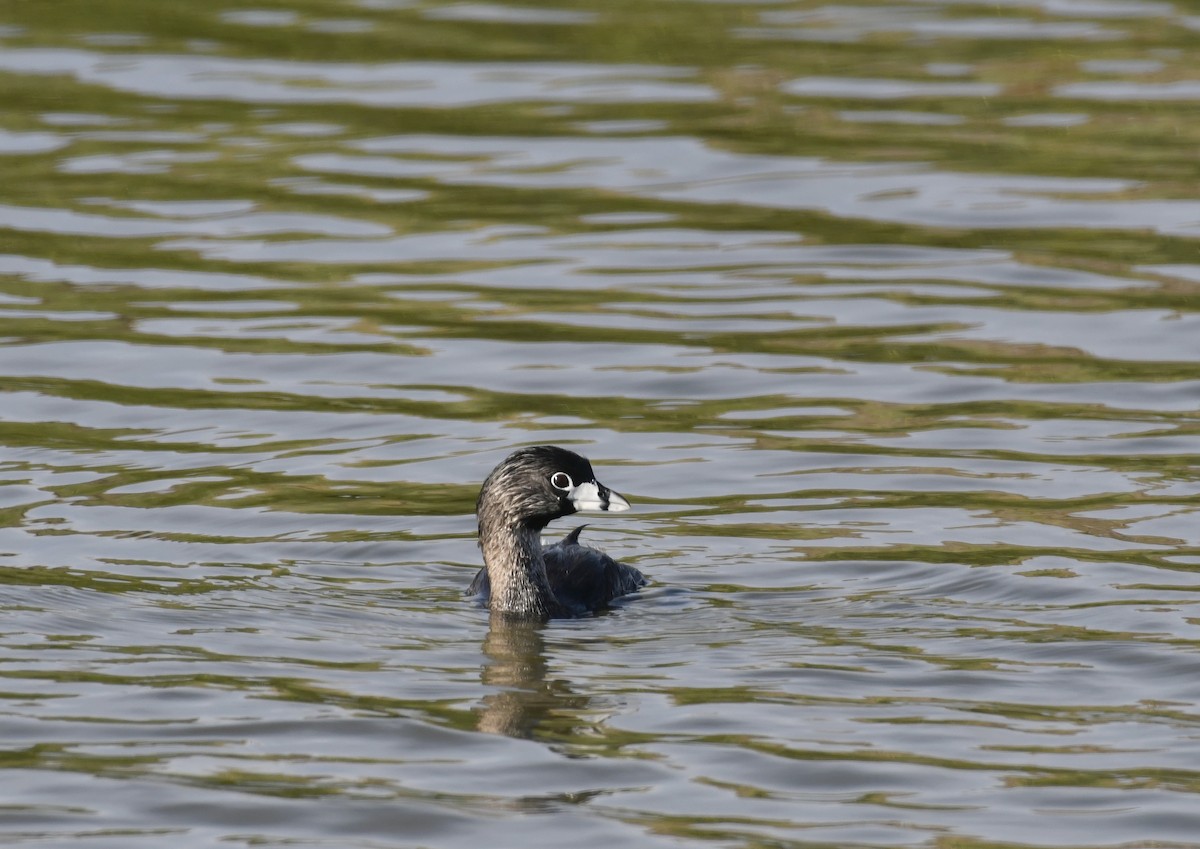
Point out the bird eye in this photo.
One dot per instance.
(561, 480)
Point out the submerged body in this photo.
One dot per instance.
(521, 577)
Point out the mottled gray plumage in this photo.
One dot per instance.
(521, 577)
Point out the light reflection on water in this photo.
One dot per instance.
(905, 399)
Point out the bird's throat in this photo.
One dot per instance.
(516, 571)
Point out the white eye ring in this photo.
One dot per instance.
(561, 480)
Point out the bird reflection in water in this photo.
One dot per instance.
(516, 666)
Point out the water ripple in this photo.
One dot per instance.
(904, 399)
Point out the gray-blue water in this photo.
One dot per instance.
(885, 317)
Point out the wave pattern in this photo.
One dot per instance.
(884, 317)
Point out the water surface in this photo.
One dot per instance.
(884, 316)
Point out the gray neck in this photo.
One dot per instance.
(516, 571)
